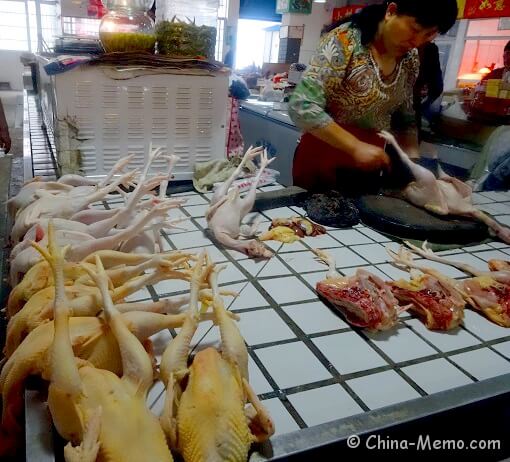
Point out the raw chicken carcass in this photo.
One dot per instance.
(82, 245)
(488, 292)
(124, 267)
(65, 183)
(443, 196)
(364, 299)
(92, 341)
(499, 265)
(105, 416)
(60, 206)
(227, 210)
(27, 194)
(436, 299)
(206, 415)
(85, 300)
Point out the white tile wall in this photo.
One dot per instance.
(336, 348)
(503, 348)
(287, 290)
(315, 317)
(482, 327)
(350, 237)
(263, 326)
(482, 364)
(401, 344)
(455, 339)
(283, 421)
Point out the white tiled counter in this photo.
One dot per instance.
(311, 368)
(306, 363)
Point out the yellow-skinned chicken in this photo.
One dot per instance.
(85, 300)
(205, 417)
(120, 268)
(92, 341)
(104, 415)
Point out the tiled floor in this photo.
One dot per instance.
(307, 365)
(43, 147)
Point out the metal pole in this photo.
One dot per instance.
(27, 19)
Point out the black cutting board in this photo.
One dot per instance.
(399, 218)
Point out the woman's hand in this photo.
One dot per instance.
(369, 157)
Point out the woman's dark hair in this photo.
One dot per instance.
(507, 46)
(431, 13)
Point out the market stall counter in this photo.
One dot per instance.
(323, 380)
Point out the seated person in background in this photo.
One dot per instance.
(502, 73)
(429, 84)
(5, 139)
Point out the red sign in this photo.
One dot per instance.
(486, 9)
(345, 11)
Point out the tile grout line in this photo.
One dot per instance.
(311, 346)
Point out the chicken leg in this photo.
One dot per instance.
(83, 301)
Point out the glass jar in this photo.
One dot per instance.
(187, 28)
(127, 27)
(200, 12)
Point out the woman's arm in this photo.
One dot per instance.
(307, 105)
(364, 156)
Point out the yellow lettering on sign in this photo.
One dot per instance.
(485, 5)
(499, 5)
(461, 5)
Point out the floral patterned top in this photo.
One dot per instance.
(343, 84)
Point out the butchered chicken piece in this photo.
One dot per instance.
(436, 299)
(488, 292)
(364, 299)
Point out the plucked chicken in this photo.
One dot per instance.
(90, 405)
(211, 413)
(443, 196)
(227, 210)
(85, 300)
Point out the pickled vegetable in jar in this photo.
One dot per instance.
(124, 29)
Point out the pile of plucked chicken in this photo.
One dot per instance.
(72, 267)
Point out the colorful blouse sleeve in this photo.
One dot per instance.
(307, 105)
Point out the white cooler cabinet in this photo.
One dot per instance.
(96, 118)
